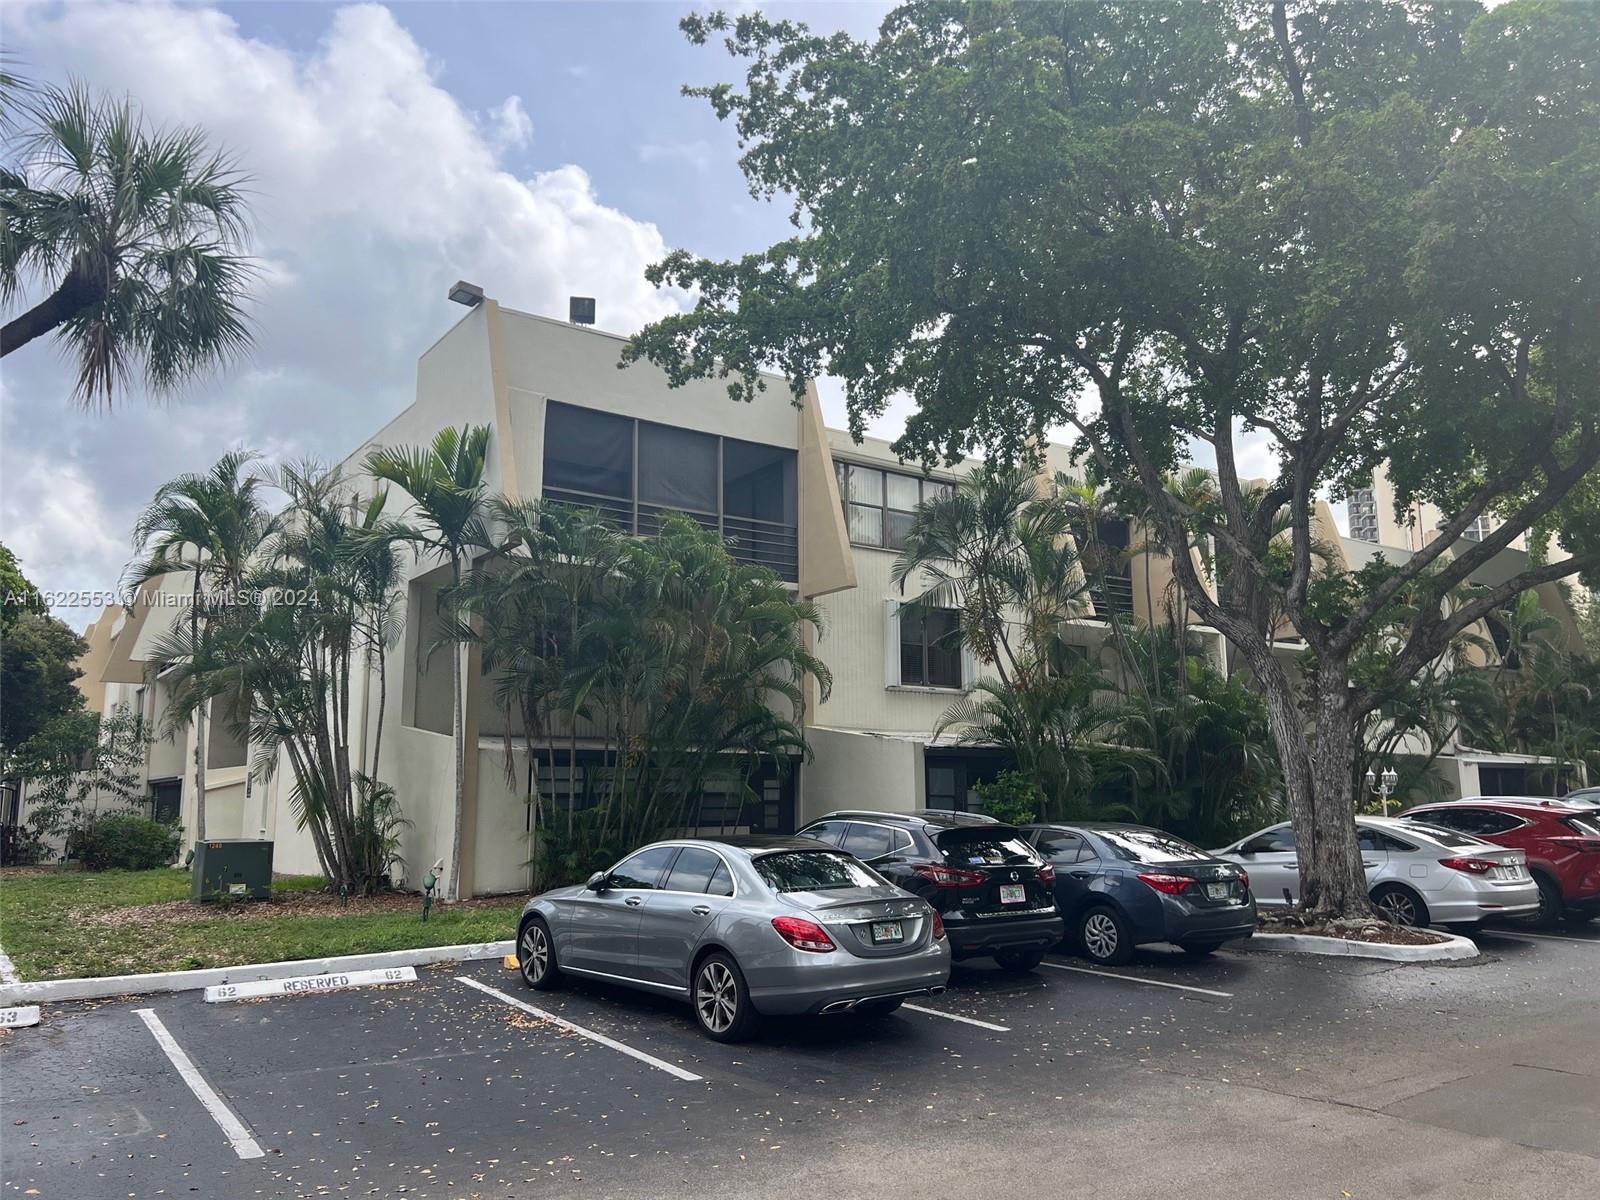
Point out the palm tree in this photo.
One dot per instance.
(445, 483)
(136, 232)
(211, 525)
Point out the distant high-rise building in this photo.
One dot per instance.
(1363, 506)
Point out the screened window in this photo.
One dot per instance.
(930, 649)
(758, 482)
(588, 452)
(635, 470)
(677, 468)
(880, 506)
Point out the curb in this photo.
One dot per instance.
(50, 990)
(1454, 948)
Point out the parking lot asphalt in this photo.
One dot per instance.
(1249, 1074)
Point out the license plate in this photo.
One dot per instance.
(1013, 893)
(887, 931)
(1218, 891)
(1508, 872)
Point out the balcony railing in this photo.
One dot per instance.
(1112, 594)
(770, 544)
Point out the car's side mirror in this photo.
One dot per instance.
(597, 882)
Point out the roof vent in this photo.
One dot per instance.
(580, 310)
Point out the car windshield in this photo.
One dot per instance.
(814, 871)
(985, 846)
(1149, 846)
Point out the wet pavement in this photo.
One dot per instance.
(1249, 1074)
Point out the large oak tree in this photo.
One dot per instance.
(1352, 233)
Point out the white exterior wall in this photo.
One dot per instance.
(850, 769)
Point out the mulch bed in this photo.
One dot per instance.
(289, 904)
(1369, 930)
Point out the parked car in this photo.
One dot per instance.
(1119, 886)
(1561, 842)
(741, 928)
(1588, 797)
(1418, 874)
(994, 893)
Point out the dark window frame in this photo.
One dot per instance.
(926, 645)
(928, 487)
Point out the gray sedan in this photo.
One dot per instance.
(741, 927)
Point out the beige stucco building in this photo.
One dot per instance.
(825, 512)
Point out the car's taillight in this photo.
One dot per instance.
(1170, 885)
(949, 876)
(1047, 874)
(803, 934)
(1472, 866)
(1244, 879)
(938, 927)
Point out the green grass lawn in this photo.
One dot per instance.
(59, 924)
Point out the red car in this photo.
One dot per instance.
(1562, 843)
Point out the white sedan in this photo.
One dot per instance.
(1418, 874)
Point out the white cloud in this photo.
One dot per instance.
(374, 189)
(510, 126)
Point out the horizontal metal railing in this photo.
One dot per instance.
(1112, 594)
(771, 544)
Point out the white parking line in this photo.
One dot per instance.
(1543, 937)
(647, 1059)
(1177, 987)
(934, 1012)
(238, 1136)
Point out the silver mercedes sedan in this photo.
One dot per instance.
(741, 928)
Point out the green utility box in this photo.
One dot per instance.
(237, 867)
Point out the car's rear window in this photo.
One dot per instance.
(1452, 838)
(984, 846)
(1587, 826)
(814, 871)
(1149, 846)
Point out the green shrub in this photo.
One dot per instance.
(126, 841)
(1012, 798)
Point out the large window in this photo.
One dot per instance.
(930, 649)
(879, 505)
(634, 471)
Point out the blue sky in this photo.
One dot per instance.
(539, 149)
(600, 82)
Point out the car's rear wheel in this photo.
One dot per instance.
(536, 956)
(1103, 936)
(1401, 905)
(722, 1001)
(1018, 962)
(879, 1008)
(1551, 906)
(1199, 949)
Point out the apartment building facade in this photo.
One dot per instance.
(826, 513)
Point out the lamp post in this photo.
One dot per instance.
(1383, 787)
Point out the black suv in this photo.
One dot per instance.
(993, 891)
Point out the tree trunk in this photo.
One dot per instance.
(77, 291)
(1333, 882)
